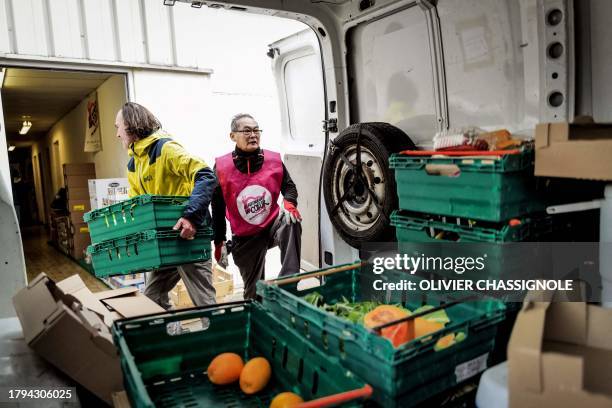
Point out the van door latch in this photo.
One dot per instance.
(330, 125)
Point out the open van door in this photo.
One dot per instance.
(12, 264)
(296, 63)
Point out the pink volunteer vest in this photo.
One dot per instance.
(250, 199)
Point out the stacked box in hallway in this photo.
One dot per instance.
(76, 176)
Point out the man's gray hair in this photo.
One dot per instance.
(236, 118)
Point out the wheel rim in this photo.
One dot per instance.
(359, 211)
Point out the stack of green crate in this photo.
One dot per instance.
(471, 199)
(169, 370)
(488, 188)
(136, 235)
(403, 376)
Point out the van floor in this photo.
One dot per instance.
(42, 257)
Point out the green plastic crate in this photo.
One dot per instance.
(422, 228)
(404, 376)
(485, 189)
(417, 233)
(165, 370)
(138, 214)
(148, 250)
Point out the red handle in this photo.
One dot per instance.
(336, 399)
(461, 153)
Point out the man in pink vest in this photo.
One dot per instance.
(250, 182)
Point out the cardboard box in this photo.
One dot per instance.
(560, 355)
(77, 193)
(581, 151)
(104, 192)
(222, 281)
(79, 240)
(121, 400)
(80, 169)
(79, 205)
(77, 181)
(76, 217)
(69, 326)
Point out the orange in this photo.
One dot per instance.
(423, 327)
(286, 400)
(445, 342)
(399, 333)
(225, 368)
(255, 375)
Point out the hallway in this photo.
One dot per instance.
(42, 257)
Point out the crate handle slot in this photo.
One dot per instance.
(315, 382)
(446, 170)
(175, 328)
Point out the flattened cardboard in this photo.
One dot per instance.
(58, 334)
(121, 400)
(109, 294)
(131, 306)
(33, 315)
(580, 151)
(75, 286)
(68, 326)
(560, 355)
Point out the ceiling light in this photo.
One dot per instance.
(169, 2)
(11, 148)
(197, 4)
(25, 127)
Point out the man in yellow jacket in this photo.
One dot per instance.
(159, 165)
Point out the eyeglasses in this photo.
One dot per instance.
(249, 132)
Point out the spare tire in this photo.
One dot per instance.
(360, 202)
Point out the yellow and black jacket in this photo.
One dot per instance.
(159, 165)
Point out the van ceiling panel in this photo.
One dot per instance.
(391, 75)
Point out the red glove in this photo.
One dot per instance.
(291, 212)
(218, 249)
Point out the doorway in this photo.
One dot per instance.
(45, 115)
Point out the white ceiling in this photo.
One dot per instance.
(43, 95)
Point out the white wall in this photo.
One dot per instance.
(112, 160)
(69, 132)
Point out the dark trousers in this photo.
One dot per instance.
(197, 278)
(249, 253)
